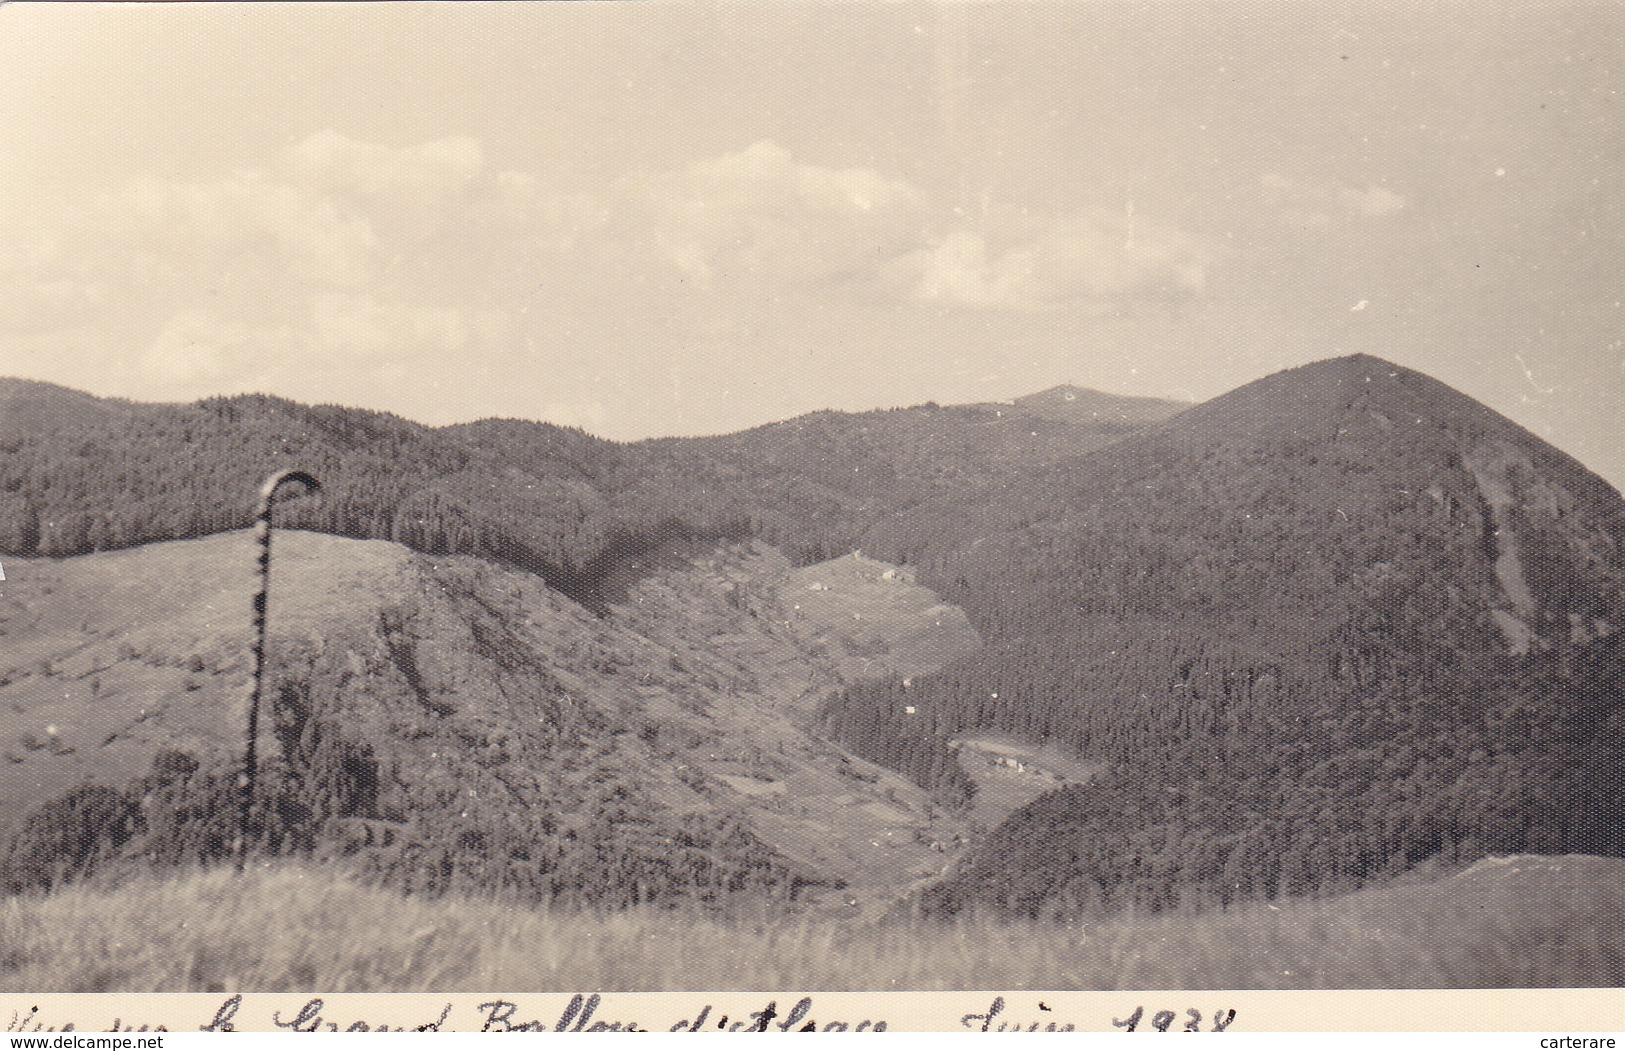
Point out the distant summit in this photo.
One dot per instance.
(1082, 405)
(1342, 590)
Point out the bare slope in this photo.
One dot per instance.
(512, 737)
(111, 657)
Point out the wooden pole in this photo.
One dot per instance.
(262, 534)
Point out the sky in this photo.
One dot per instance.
(689, 218)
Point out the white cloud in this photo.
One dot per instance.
(348, 268)
(1091, 260)
(211, 226)
(758, 215)
(345, 255)
(957, 268)
(1373, 201)
(369, 327)
(333, 163)
(197, 354)
(1311, 204)
(342, 348)
(36, 302)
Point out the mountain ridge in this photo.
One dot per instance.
(1071, 401)
(82, 474)
(1336, 624)
(1122, 405)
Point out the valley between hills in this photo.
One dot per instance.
(1340, 632)
(696, 693)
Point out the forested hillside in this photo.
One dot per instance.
(1336, 624)
(823, 479)
(80, 474)
(1323, 628)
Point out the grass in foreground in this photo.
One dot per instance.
(1525, 922)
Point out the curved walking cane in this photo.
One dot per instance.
(262, 533)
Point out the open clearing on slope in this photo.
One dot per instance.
(1010, 773)
(1504, 923)
(707, 673)
(790, 636)
(105, 659)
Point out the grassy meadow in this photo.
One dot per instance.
(1532, 921)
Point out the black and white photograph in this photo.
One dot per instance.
(885, 497)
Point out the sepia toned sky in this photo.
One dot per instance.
(683, 218)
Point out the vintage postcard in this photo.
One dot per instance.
(860, 516)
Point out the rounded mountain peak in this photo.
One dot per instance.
(1331, 398)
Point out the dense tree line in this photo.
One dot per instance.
(1208, 819)
(79, 475)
